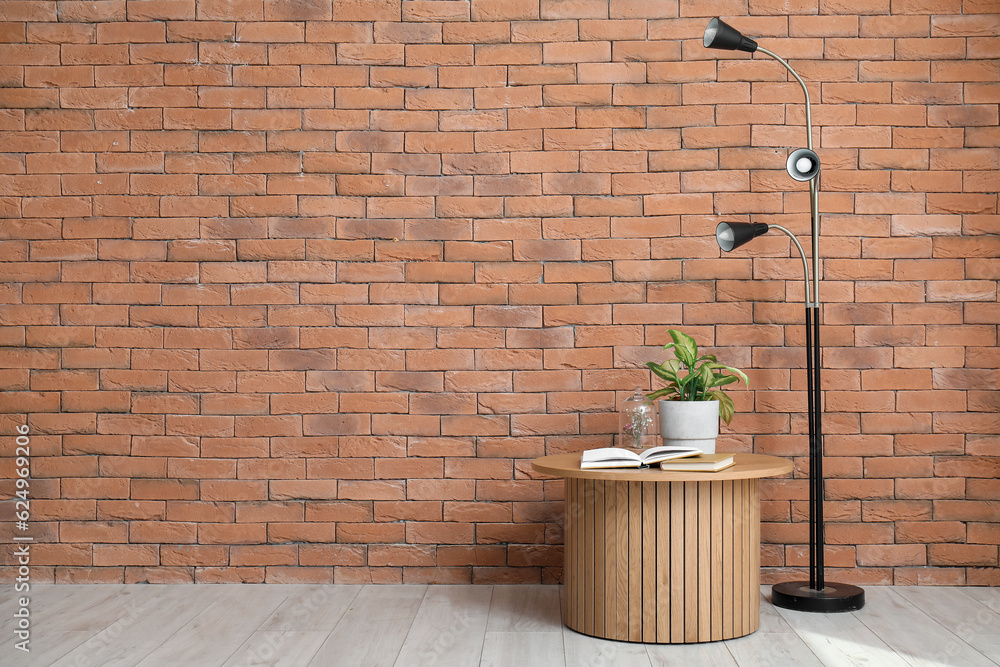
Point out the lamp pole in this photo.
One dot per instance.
(817, 540)
(817, 594)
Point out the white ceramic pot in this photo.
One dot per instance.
(690, 424)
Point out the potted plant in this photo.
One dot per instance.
(691, 403)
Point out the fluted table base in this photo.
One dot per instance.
(662, 562)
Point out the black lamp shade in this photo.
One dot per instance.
(721, 35)
(731, 235)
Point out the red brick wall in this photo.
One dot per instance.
(294, 290)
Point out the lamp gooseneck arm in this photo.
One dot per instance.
(805, 265)
(805, 91)
(814, 183)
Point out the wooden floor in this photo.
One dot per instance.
(441, 626)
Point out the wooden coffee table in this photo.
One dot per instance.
(662, 557)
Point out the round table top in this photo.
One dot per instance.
(747, 466)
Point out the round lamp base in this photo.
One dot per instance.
(834, 598)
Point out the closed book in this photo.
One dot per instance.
(701, 463)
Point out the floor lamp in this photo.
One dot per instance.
(817, 594)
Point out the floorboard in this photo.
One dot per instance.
(297, 629)
(913, 634)
(713, 654)
(449, 629)
(987, 596)
(509, 649)
(465, 626)
(43, 653)
(144, 626)
(372, 630)
(975, 623)
(771, 621)
(772, 648)
(57, 614)
(987, 644)
(525, 609)
(841, 639)
(953, 609)
(291, 648)
(212, 636)
(77, 608)
(585, 650)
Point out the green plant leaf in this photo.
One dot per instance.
(706, 379)
(720, 380)
(689, 377)
(726, 407)
(742, 375)
(684, 347)
(665, 371)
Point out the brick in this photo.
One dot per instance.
(891, 554)
(121, 554)
(483, 10)
(962, 554)
(474, 171)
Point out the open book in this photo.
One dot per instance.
(617, 457)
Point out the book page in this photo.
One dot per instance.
(609, 457)
(665, 453)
